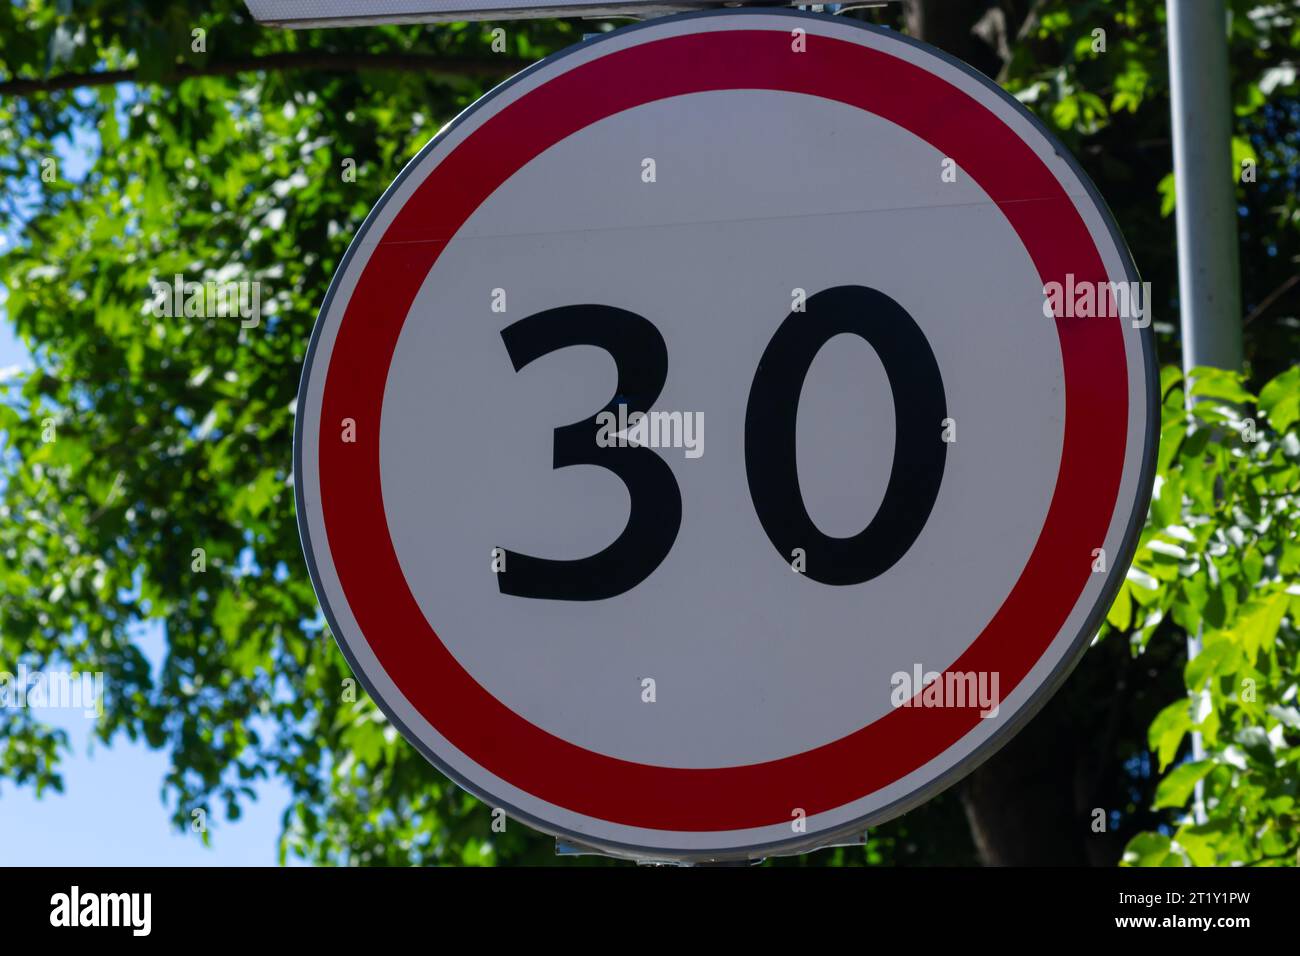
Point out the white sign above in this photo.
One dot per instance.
(302, 14)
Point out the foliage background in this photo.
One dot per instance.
(176, 435)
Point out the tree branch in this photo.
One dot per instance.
(305, 60)
(1269, 299)
(1284, 855)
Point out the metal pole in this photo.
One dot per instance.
(1209, 286)
(1209, 283)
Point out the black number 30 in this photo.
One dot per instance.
(641, 358)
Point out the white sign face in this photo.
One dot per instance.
(892, 470)
(299, 14)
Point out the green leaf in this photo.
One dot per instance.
(1150, 849)
(1279, 400)
(1176, 789)
(1168, 194)
(1168, 729)
(229, 616)
(1120, 614)
(1258, 623)
(255, 497)
(1220, 384)
(1199, 841)
(1217, 658)
(1242, 152)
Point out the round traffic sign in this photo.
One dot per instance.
(925, 366)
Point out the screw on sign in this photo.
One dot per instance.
(920, 483)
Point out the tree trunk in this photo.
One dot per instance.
(1021, 802)
(980, 32)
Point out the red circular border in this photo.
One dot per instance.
(845, 770)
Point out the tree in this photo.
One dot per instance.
(164, 493)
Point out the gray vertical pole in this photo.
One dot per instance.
(1209, 283)
(1209, 286)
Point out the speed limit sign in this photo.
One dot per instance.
(726, 434)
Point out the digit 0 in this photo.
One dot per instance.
(919, 454)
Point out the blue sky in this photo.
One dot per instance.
(112, 811)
